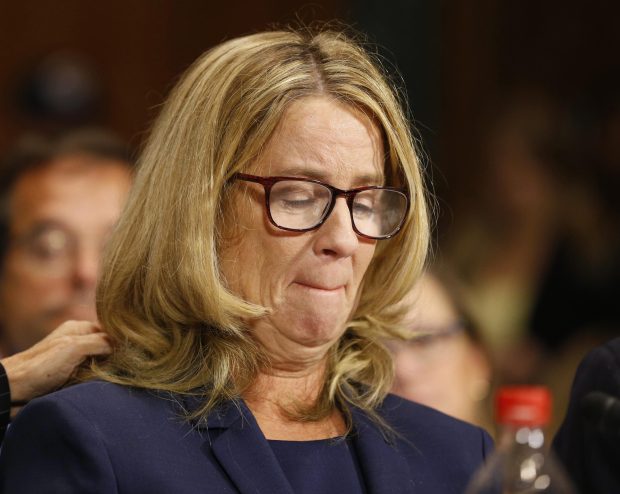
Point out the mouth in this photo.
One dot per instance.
(320, 287)
(78, 313)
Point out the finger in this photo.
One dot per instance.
(77, 328)
(67, 330)
(93, 344)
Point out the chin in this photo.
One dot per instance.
(79, 314)
(318, 331)
(55, 320)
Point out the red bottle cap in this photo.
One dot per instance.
(528, 406)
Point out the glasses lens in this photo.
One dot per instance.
(379, 213)
(298, 205)
(48, 251)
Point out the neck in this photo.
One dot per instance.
(279, 391)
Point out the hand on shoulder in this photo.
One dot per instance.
(47, 365)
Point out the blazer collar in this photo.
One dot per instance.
(384, 468)
(245, 455)
(242, 449)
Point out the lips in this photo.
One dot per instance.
(331, 287)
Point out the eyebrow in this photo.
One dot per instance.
(38, 228)
(300, 171)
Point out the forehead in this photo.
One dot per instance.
(70, 189)
(320, 137)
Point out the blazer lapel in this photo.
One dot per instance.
(245, 455)
(385, 470)
(243, 452)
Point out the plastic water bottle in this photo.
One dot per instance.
(521, 463)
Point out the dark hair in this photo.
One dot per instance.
(34, 151)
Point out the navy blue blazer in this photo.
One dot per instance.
(592, 457)
(99, 437)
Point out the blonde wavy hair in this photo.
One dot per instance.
(162, 298)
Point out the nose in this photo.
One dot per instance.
(336, 236)
(86, 268)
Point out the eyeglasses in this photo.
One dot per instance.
(302, 204)
(426, 337)
(48, 250)
(428, 343)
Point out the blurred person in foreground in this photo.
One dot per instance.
(588, 441)
(445, 365)
(59, 200)
(277, 219)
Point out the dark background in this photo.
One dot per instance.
(455, 56)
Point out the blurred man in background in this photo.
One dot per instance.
(59, 200)
(58, 203)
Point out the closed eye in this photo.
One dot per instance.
(297, 203)
(362, 210)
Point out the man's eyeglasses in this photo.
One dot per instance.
(302, 204)
(47, 249)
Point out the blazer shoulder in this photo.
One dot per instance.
(442, 450)
(106, 404)
(423, 425)
(612, 349)
(599, 370)
(409, 414)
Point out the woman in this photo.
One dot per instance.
(277, 218)
(446, 365)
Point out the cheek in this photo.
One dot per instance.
(18, 278)
(406, 364)
(363, 257)
(22, 292)
(257, 267)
